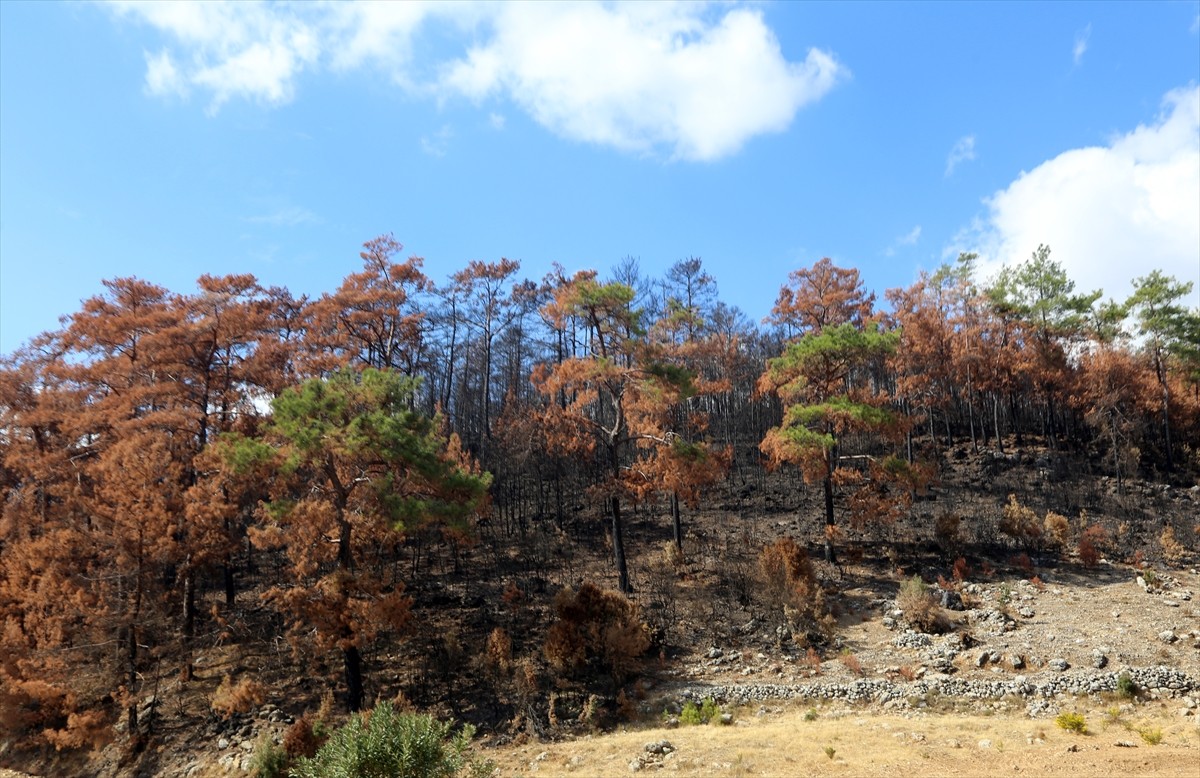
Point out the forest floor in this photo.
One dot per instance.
(719, 640)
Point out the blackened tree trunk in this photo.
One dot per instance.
(354, 678)
(676, 523)
(618, 541)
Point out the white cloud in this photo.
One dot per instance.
(1195, 28)
(644, 77)
(691, 80)
(162, 77)
(496, 120)
(1109, 213)
(963, 151)
(289, 216)
(909, 238)
(233, 49)
(1081, 43)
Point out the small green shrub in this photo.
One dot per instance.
(1072, 722)
(269, 760)
(690, 715)
(1151, 736)
(387, 744)
(1126, 687)
(810, 714)
(830, 751)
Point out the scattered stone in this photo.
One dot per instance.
(1059, 664)
(223, 743)
(985, 744)
(659, 747)
(671, 723)
(1125, 744)
(1167, 636)
(1017, 661)
(635, 765)
(983, 658)
(714, 653)
(1072, 749)
(951, 600)
(1099, 660)
(911, 639)
(726, 718)
(1026, 612)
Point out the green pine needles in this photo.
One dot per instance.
(388, 744)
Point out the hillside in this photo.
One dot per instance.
(990, 675)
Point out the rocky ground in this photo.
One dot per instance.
(978, 700)
(1042, 643)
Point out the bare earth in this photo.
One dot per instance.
(865, 744)
(1072, 618)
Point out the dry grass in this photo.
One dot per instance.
(867, 745)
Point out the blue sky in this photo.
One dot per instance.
(170, 140)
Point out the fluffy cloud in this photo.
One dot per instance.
(232, 49)
(690, 80)
(644, 77)
(1109, 213)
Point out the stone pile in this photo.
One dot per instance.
(1158, 681)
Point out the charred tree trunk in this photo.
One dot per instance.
(354, 679)
(618, 542)
(189, 621)
(131, 655)
(676, 523)
(827, 483)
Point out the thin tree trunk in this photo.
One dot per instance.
(618, 541)
(827, 483)
(676, 523)
(971, 411)
(189, 621)
(230, 587)
(996, 422)
(131, 710)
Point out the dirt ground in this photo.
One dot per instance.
(845, 742)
